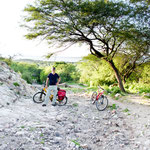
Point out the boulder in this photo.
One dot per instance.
(117, 95)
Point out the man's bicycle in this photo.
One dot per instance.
(99, 99)
(61, 97)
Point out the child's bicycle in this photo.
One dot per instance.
(100, 99)
(61, 98)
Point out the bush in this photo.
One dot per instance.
(144, 90)
(115, 90)
(16, 84)
(29, 72)
(66, 71)
(6, 60)
(44, 73)
(95, 71)
(138, 87)
(27, 76)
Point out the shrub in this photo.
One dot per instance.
(144, 90)
(16, 84)
(27, 76)
(66, 71)
(29, 72)
(113, 106)
(126, 110)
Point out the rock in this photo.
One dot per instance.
(85, 146)
(45, 148)
(147, 143)
(147, 94)
(13, 86)
(114, 111)
(57, 134)
(117, 95)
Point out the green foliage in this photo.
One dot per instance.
(44, 73)
(75, 142)
(22, 127)
(29, 72)
(42, 142)
(95, 72)
(32, 72)
(126, 110)
(147, 97)
(115, 90)
(27, 76)
(67, 72)
(113, 106)
(145, 76)
(16, 84)
(32, 129)
(75, 104)
(6, 60)
(108, 27)
(137, 87)
(144, 90)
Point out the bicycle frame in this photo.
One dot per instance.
(44, 90)
(100, 93)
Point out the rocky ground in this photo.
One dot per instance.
(25, 125)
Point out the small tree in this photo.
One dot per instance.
(105, 26)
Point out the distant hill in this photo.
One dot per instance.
(53, 59)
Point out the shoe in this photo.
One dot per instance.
(44, 105)
(53, 104)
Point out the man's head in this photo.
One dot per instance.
(53, 69)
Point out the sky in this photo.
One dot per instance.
(13, 42)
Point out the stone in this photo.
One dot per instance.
(117, 95)
(147, 94)
(114, 111)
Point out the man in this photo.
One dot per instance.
(53, 79)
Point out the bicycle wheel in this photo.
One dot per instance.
(93, 97)
(62, 102)
(102, 103)
(39, 97)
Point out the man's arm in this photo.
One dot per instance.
(46, 86)
(58, 81)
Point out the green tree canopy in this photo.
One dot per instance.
(106, 26)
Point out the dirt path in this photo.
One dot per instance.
(78, 125)
(138, 117)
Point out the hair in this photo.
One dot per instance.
(53, 68)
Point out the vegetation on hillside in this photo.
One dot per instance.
(90, 72)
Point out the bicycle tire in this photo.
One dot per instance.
(62, 102)
(102, 103)
(93, 97)
(39, 97)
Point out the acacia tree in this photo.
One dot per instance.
(104, 25)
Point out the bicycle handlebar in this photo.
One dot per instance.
(100, 88)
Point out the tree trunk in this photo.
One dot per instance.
(118, 77)
(124, 80)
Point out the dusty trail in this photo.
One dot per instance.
(78, 125)
(25, 125)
